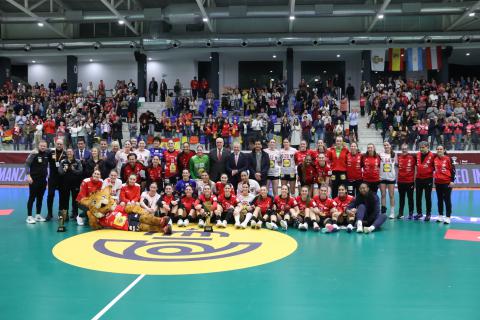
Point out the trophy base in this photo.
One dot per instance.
(208, 229)
(61, 229)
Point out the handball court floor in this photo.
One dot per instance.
(406, 271)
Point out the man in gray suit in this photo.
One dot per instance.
(218, 160)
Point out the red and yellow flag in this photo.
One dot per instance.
(396, 59)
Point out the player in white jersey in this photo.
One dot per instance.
(387, 178)
(149, 199)
(288, 170)
(273, 174)
(122, 155)
(114, 183)
(143, 155)
(243, 212)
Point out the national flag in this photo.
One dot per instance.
(378, 59)
(434, 58)
(396, 60)
(414, 59)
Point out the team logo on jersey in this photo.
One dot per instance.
(186, 251)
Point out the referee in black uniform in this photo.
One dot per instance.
(54, 159)
(37, 170)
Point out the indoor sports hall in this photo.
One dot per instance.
(232, 159)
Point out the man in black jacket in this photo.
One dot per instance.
(237, 162)
(108, 157)
(54, 159)
(259, 163)
(152, 90)
(218, 157)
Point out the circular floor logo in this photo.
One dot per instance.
(186, 251)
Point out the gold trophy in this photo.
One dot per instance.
(208, 223)
(61, 221)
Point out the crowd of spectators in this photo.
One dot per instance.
(414, 111)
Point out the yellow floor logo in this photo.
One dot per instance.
(186, 251)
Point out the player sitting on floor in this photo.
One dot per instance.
(366, 207)
(206, 205)
(325, 208)
(243, 211)
(227, 201)
(168, 203)
(130, 192)
(285, 208)
(263, 204)
(305, 206)
(340, 216)
(186, 208)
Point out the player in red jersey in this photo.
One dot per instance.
(371, 168)
(154, 173)
(207, 205)
(170, 164)
(340, 216)
(337, 156)
(325, 208)
(323, 173)
(130, 192)
(263, 204)
(227, 201)
(220, 185)
(285, 207)
(168, 204)
(307, 173)
(424, 179)
(354, 169)
(305, 207)
(444, 181)
(133, 166)
(406, 180)
(321, 148)
(301, 153)
(186, 208)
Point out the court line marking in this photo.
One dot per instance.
(118, 297)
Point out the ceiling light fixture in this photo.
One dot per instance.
(292, 17)
(380, 16)
(121, 22)
(40, 24)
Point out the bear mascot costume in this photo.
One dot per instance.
(104, 212)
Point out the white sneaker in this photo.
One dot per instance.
(219, 224)
(302, 226)
(446, 220)
(392, 213)
(268, 225)
(359, 227)
(259, 225)
(185, 222)
(224, 223)
(39, 218)
(180, 223)
(368, 229)
(243, 225)
(440, 219)
(253, 224)
(201, 223)
(305, 225)
(349, 228)
(274, 226)
(31, 220)
(237, 225)
(80, 221)
(284, 225)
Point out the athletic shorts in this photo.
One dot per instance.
(272, 178)
(388, 181)
(289, 177)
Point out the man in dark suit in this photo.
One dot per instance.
(109, 161)
(218, 160)
(237, 163)
(163, 90)
(152, 90)
(259, 162)
(82, 154)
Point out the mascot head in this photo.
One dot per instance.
(100, 202)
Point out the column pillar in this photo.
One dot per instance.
(72, 74)
(366, 66)
(214, 81)
(5, 69)
(141, 59)
(289, 69)
(446, 53)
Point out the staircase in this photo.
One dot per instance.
(367, 135)
(155, 107)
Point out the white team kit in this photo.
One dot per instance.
(387, 167)
(275, 162)
(287, 157)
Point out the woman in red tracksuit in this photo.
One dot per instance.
(337, 156)
(371, 168)
(444, 179)
(406, 180)
(88, 186)
(354, 169)
(307, 173)
(130, 192)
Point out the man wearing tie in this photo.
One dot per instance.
(108, 157)
(236, 163)
(218, 159)
(82, 153)
(259, 164)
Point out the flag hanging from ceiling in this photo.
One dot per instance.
(414, 59)
(378, 59)
(396, 61)
(434, 58)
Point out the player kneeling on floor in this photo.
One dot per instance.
(285, 207)
(263, 211)
(205, 205)
(227, 201)
(339, 215)
(186, 208)
(324, 210)
(243, 211)
(366, 207)
(168, 204)
(305, 209)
